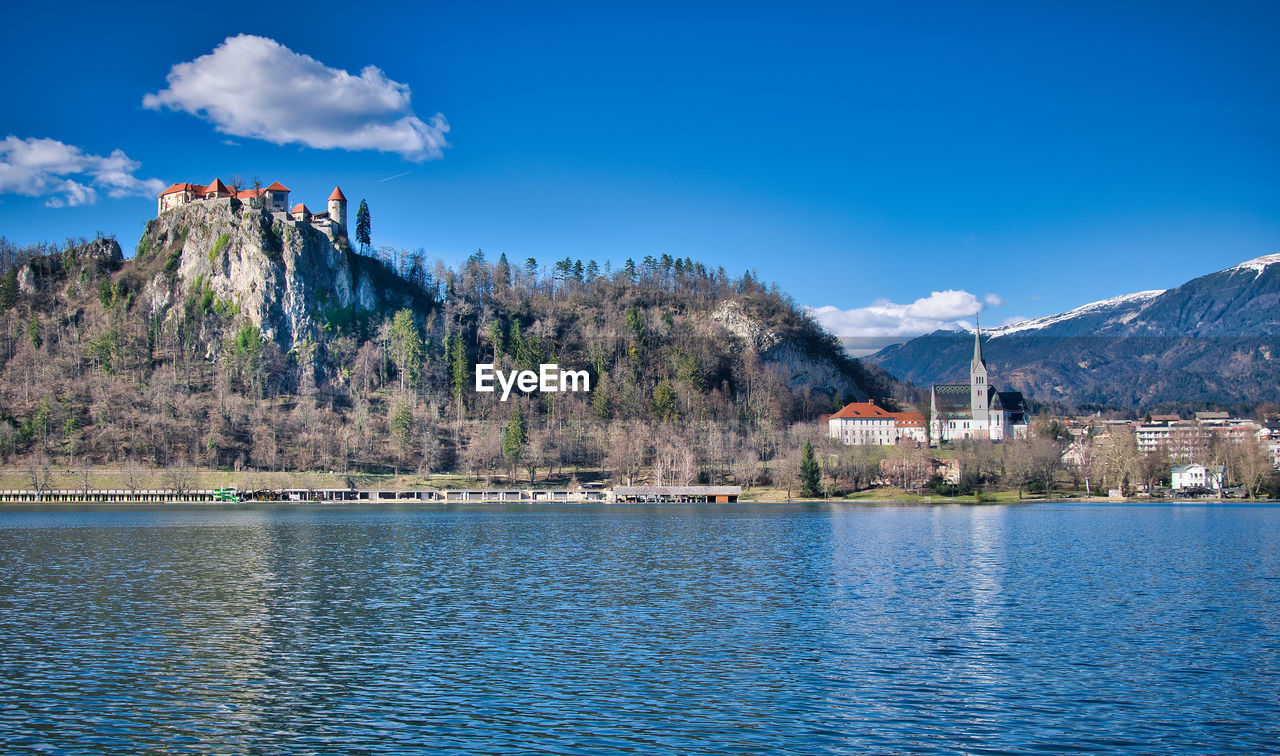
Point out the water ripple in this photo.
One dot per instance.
(648, 630)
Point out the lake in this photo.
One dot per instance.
(805, 629)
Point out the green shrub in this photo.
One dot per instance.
(218, 246)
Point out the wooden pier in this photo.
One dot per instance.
(691, 494)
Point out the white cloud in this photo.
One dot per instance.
(994, 300)
(941, 309)
(67, 175)
(255, 87)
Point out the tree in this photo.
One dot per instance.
(9, 289)
(364, 227)
(41, 475)
(515, 434)
(1252, 465)
(33, 331)
(810, 474)
(458, 368)
(401, 426)
(406, 347)
(180, 479)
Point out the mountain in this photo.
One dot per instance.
(1212, 340)
(238, 338)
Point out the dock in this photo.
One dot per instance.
(669, 494)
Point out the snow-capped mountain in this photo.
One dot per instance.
(1086, 316)
(1213, 339)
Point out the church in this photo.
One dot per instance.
(976, 410)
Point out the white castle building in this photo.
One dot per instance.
(275, 197)
(976, 410)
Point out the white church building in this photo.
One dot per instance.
(976, 410)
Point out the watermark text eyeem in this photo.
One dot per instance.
(549, 378)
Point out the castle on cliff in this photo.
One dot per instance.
(274, 197)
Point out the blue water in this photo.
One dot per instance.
(1048, 628)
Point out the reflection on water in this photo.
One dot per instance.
(654, 630)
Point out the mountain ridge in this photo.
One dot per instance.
(1209, 340)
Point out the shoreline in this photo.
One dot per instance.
(868, 501)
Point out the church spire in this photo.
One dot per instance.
(977, 345)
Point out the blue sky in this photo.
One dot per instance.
(1016, 158)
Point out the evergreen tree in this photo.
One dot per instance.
(515, 434)
(364, 227)
(497, 335)
(531, 266)
(407, 348)
(810, 475)
(9, 289)
(458, 366)
(33, 331)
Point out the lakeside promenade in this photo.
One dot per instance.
(688, 494)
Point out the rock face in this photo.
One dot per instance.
(1211, 339)
(102, 254)
(285, 277)
(792, 351)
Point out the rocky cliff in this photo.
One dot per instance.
(810, 357)
(286, 277)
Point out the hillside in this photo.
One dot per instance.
(1212, 340)
(233, 339)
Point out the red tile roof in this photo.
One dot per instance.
(217, 188)
(860, 410)
(908, 418)
(300, 208)
(337, 195)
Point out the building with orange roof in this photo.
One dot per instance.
(866, 423)
(274, 197)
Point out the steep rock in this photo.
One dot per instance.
(286, 277)
(798, 349)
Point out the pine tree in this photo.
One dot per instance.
(406, 347)
(514, 438)
(364, 227)
(810, 475)
(458, 366)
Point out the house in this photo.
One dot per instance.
(976, 410)
(866, 423)
(1186, 477)
(1269, 436)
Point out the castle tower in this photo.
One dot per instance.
(980, 419)
(338, 207)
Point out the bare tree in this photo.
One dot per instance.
(744, 462)
(132, 478)
(41, 474)
(180, 479)
(1251, 466)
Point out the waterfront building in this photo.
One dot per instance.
(976, 410)
(1197, 476)
(866, 423)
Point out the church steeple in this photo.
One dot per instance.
(977, 347)
(979, 399)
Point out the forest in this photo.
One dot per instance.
(695, 375)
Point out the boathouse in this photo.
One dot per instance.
(702, 494)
